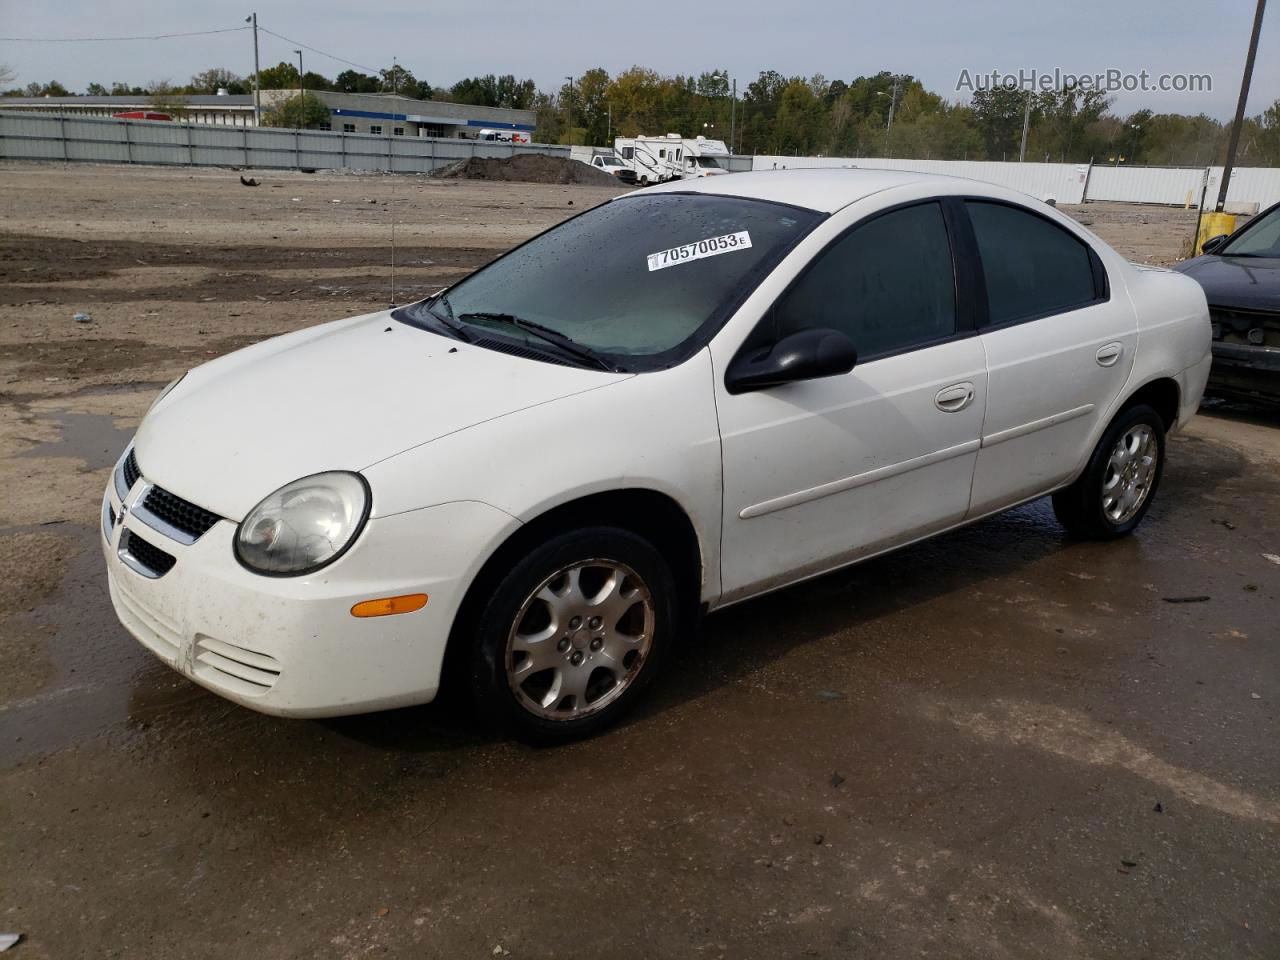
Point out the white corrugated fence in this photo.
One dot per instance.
(45, 136)
(48, 136)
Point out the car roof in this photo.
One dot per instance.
(826, 189)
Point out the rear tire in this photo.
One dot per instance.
(572, 635)
(1115, 491)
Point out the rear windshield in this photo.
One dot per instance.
(644, 280)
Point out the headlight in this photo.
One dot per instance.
(304, 525)
(164, 393)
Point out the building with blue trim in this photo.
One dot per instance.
(374, 113)
(388, 115)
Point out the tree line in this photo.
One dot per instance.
(874, 115)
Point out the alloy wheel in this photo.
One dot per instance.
(580, 639)
(1130, 472)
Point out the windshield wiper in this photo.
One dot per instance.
(447, 318)
(564, 342)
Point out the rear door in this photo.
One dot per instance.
(1059, 349)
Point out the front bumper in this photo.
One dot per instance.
(289, 645)
(1246, 369)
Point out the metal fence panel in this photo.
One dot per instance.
(1260, 185)
(51, 136)
(1165, 185)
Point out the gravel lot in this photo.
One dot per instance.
(995, 744)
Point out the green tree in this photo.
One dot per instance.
(163, 97)
(353, 81)
(998, 113)
(297, 112)
(1268, 136)
(799, 120)
(549, 119)
(398, 80)
(477, 91)
(591, 108)
(51, 89)
(494, 91)
(283, 76)
(95, 90)
(1064, 119)
(316, 81)
(215, 78)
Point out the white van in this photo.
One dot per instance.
(506, 136)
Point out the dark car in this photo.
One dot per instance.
(1240, 274)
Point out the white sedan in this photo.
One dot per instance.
(529, 484)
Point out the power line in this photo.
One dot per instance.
(192, 33)
(158, 36)
(299, 43)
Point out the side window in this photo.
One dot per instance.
(889, 284)
(1032, 267)
(348, 128)
(375, 128)
(628, 153)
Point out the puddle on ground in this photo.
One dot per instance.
(91, 437)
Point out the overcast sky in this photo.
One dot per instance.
(445, 40)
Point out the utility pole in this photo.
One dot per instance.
(733, 115)
(395, 78)
(568, 106)
(1026, 125)
(733, 107)
(608, 133)
(893, 102)
(302, 91)
(257, 95)
(1240, 104)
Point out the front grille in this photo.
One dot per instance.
(1255, 327)
(182, 514)
(131, 471)
(154, 561)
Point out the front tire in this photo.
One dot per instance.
(572, 635)
(1115, 491)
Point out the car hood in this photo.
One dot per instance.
(1246, 283)
(341, 396)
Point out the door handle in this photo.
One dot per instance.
(1109, 353)
(954, 398)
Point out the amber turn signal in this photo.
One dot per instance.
(389, 605)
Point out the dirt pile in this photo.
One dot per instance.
(526, 168)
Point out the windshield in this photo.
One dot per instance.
(707, 162)
(1259, 239)
(643, 280)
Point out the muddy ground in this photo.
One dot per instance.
(997, 744)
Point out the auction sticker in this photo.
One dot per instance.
(696, 251)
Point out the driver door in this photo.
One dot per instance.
(819, 473)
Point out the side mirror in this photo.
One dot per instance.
(1213, 243)
(806, 355)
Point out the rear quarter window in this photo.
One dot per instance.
(1032, 267)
